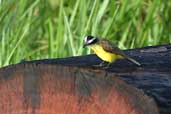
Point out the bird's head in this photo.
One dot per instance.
(90, 40)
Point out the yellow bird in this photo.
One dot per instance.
(105, 50)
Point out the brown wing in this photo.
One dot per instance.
(109, 47)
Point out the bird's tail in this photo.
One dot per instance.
(134, 61)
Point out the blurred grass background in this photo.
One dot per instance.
(39, 29)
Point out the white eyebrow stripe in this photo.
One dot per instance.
(85, 39)
(90, 41)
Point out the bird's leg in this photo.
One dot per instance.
(107, 66)
(103, 63)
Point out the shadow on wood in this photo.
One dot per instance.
(56, 89)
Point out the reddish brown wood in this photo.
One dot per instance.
(56, 89)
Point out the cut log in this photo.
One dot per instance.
(30, 85)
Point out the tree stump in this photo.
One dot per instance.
(72, 85)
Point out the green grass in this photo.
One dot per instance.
(39, 29)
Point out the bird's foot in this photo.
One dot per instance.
(103, 64)
(107, 66)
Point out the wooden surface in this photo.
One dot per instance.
(56, 89)
(42, 86)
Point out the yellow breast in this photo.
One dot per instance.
(104, 55)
